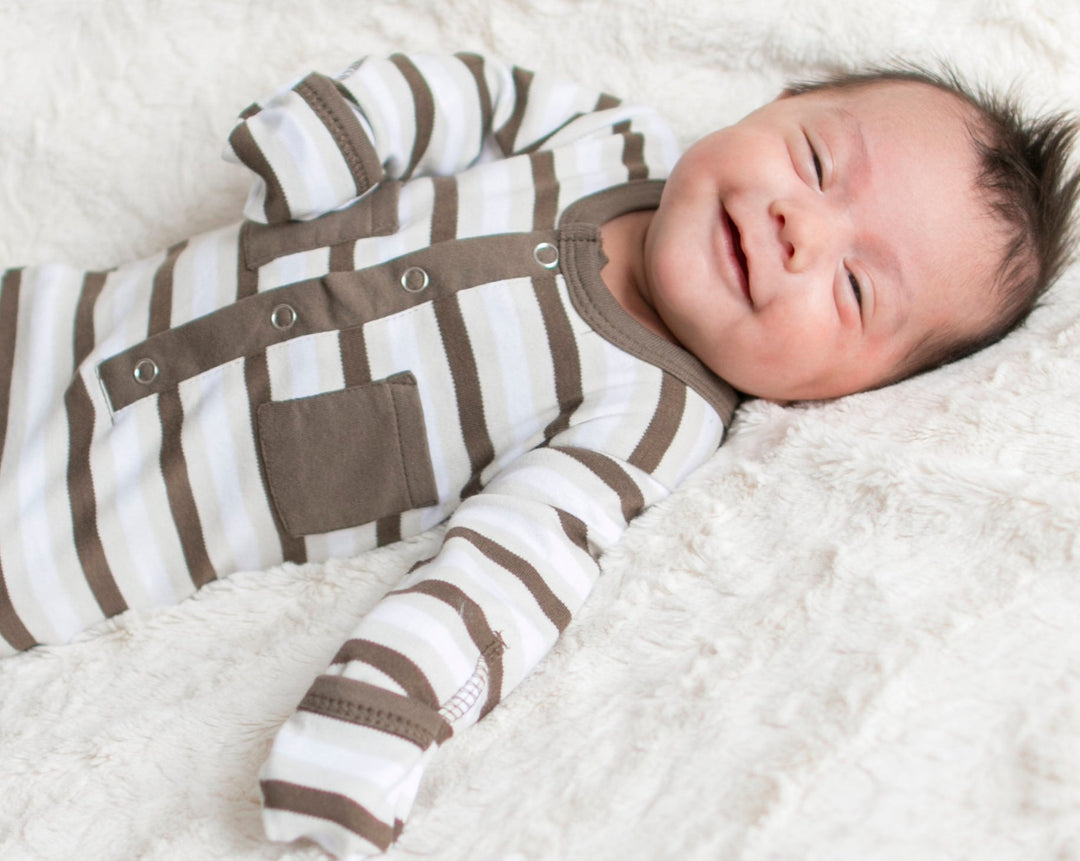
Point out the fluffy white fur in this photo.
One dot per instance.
(853, 635)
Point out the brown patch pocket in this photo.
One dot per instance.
(346, 457)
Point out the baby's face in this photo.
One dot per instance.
(803, 252)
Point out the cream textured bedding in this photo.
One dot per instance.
(852, 635)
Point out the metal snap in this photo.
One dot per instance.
(283, 317)
(414, 279)
(146, 371)
(547, 255)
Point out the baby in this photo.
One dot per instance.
(465, 293)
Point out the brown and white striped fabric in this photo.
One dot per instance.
(409, 327)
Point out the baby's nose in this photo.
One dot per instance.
(801, 232)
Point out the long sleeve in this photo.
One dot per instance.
(443, 649)
(547, 460)
(321, 143)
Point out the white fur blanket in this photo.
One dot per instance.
(853, 635)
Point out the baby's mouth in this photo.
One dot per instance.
(738, 253)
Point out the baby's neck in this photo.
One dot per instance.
(624, 246)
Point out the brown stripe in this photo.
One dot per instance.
(9, 324)
(663, 426)
(470, 403)
(93, 282)
(327, 103)
(506, 136)
(275, 207)
(609, 472)
(394, 664)
(257, 380)
(564, 353)
(281, 795)
(342, 252)
(545, 190)
(475, 64)
(444, 216)
(633, 157)
(606, 102)
(375, 215)
(354, 358)
(12, 628)
(178, 489)
(388, 530)
(342, 257)
(174, 469)
(425, 109)
(257, 383)
(488, 643)
(247, 280)
(575, 529)
(531, 579)
(370, 706)
(357, 371)
(80, 482)
(161, 296)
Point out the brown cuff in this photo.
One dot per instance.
(330, 105)
(366, 705)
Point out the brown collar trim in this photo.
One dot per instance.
(582, 259)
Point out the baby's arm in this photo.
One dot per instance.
(321, 143)
(437, 654)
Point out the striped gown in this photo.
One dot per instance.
(408, 327)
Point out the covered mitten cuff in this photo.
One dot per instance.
(309, 150)
(344, 770)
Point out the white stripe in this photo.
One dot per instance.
(342, 765)
(303, 155)
(518, 618)
(518, 382)
(418, 620)
(536, 479)
(342, 543)
(696, 440)
(293, 268)
(450, 133)
(551, 103)
(39, 446)
(386, 104)
(614, 382)
(204, 278)
(411, 341)
(305, 366)
(510, 188)
(568, 571)
(214, 470)
(124, 462)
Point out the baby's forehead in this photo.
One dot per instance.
(907, 108)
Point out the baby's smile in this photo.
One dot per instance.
(736, 250)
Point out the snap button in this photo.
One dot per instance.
(283, 317)
(414, 279)
(547, 255)
(146, 371)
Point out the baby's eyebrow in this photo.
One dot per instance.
(852, 130)
(890, 285)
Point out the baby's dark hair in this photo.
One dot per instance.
(1025, 175)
